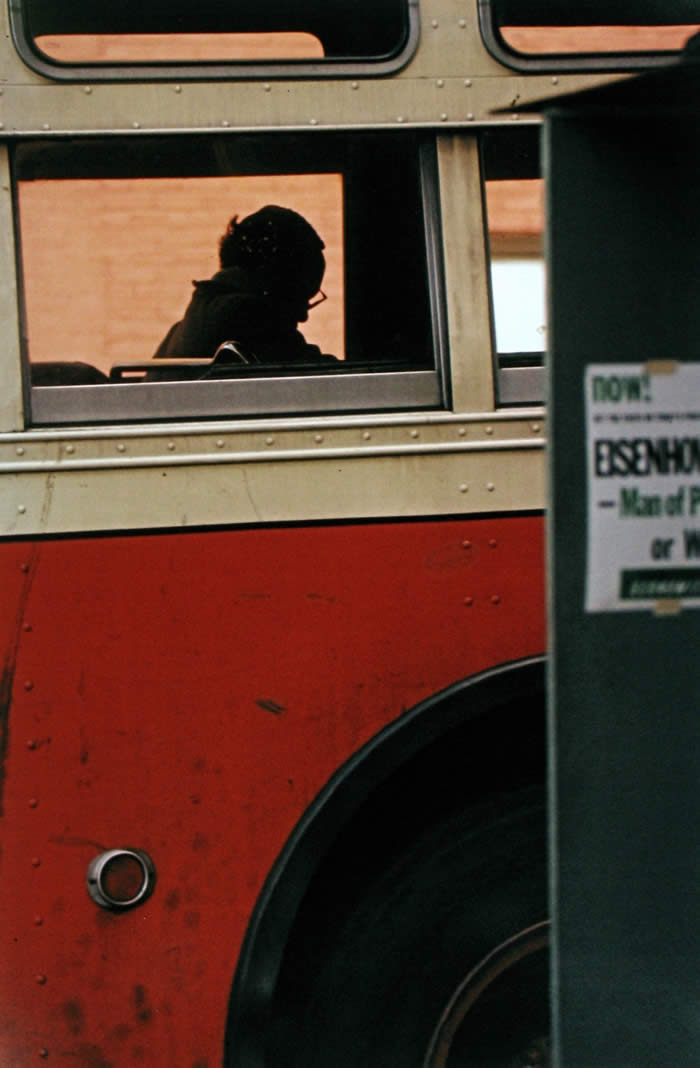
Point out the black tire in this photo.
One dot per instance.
(440, 906)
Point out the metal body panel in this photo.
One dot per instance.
(133, 478)
(11, 405)
(450, 79)
(189, 695)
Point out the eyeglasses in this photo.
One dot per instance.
(315, 303)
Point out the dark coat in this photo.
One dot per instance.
(227, 308)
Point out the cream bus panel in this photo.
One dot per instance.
(271, 472)
(450, 78)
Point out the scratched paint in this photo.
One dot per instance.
(189, 697)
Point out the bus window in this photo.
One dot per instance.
(132, 229)
(135, 38)
(543, 35)
(514, 198)
(515, 224)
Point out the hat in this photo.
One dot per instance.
(279, 249)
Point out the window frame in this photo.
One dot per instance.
(205, 70)
(519, 376)
(571, 63)
(330, 390)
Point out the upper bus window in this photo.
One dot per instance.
(327, 275)
(587, 34)
(514, 195)
(118, 40)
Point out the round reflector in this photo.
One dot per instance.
(121, 878)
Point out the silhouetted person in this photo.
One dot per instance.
(272, 264)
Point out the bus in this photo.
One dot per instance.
(272, 734)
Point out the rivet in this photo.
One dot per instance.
(354, 85)
(121, 447)
(434, 23)
(443, 116)
(468, 83)
(399, 118)
(440, 83)
(26, 627)
(31, 743)
(219, 443)
(490, 487)
(468, 601)
(87, 90)
(466, 544)
(462, 23)
(314, 122)
(136, 125)
(464, 488)
(514, 118)
(43, 1053)
(21, 508)
(492, 543)
(2, 125)
(41, 979)
(489, 430)
(536, 428)
(267, 87)
(470, 116)
(28, 685)
(33, 803)
(24, 567)
(70, 448)
(367, 436)
(36, 862)
(45, 126)
(462, 432)
(318, 438)
(19, 450)
(38, 921)
(495, 599)
(555, 80)
(270, 440)
(178, 88)
(224, 122)
(414, 433)
(171, 445)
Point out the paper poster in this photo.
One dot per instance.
(643, 458)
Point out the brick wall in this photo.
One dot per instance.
(109, 265)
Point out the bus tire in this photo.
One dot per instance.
(443, 961)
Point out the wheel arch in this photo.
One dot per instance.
(484, 733)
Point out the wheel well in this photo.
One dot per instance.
(469, 746)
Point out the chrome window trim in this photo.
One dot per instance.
(520, 385)
(200, 70)
(235, 398)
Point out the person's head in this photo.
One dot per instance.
(281, 253)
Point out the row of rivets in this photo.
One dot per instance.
(495, 598)
(171, 446)
(32, 744)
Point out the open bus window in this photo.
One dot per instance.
(587, 34)
(134, 37)
(514, 196)
(112, 238)
(515, 219)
